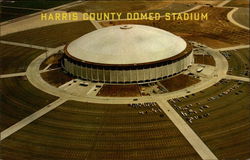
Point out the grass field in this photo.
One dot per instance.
(132, 6)
(179, 82)
(77, 130)
(119, 91)
(52, 36)
(241, 16)
(19, 99)
(138, 6)
(238, 3)
(11, 13)
(226, 129)
(20, 8)
(206, 59)
(238, 61)
(38, 4)
(117, 6)
(216, 32)
(16, 59)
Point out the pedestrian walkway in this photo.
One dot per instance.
(246, 79)
(25, 45)
(230, 18)
(96, 24)
(23, 8)
(223, 3)
(233, 48)
(19, 125)
(199, 146)
(13, 75)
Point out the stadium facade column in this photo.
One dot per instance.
(123, 76)
(116, 72)
(162, 69)
(86, 71)
(97, 76)
(130, 73)
(144, 74)
(81, 70)
(110, 79)
(137, 76)
(91, 72)
(103, 74)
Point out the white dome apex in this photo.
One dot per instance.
(126, 44)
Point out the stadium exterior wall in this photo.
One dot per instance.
(127, 74)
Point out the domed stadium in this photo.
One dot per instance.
(127, 54)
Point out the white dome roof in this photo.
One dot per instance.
(126, 44)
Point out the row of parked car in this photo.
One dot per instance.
(147, 107)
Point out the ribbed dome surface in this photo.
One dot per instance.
(126, 44)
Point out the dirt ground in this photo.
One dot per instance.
(206, 59)
(119, 91)
(56, 77)
(216, 32)
(179, 82)
(54, 59)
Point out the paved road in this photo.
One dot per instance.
(230, 18)
(223, 3)
(23, 73)
(32, 21)
(233, 48)
(36, 80)
(96, 24)
(25, 45)
(199, 146)
(34, 9)
(12, 129)
(47, 67)
(238, 78)
(191, 9)
(13, 75)
(64, 6)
